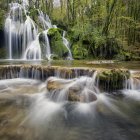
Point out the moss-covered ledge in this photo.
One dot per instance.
(107, 79)
(113, 79)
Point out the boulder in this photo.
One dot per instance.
(110, 80)
(76, 92)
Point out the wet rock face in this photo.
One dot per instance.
(136, 75)
(90, 97)
(75, 90)
(42, 72)
(110, 80)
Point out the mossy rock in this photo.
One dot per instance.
(2, 53)
(111, 80)
(56, 43)
(33, 12)
(54, 31)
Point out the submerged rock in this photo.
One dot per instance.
(56, 84)
(75, 90)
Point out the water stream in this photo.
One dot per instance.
(73, 109)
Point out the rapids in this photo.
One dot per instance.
(37, 110)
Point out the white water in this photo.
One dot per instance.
(45, 20)
(66, 43)
(33, 51)
(22, 37)
(132, 87)
(14, 28)
(47, 44)
(50, 115)
(30, 33)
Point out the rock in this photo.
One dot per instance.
(56, 42)
(136, 75)
(73, 97)
(110, 80)
(101, 62)
(57, 84)
(76, 92)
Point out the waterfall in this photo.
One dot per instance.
(132, 83)
(45, 20)
(64, 109)
(30, 33)
(42, 73)
(14, 29)
(19, 33)
(78, 89)
(132, 87)
(22, 37)
(47, 44)
(33, 51)
(66, 43)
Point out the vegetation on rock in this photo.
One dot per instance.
(113, 79)
(56, 42)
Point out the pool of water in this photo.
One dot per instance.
(26, 113)
(133, 65)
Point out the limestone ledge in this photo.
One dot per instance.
(108, 79)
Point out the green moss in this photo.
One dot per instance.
(33, 12)
(124, 56)
(2, 13)
(2, 53)
(56, 43)
(113, 79)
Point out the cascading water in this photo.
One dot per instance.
(47, 44)
(30, 33)
(33, 51)
(72, 109)
(45, 20)
(132, 88)
(22, 37)
(14, 29)
(66, 43)
(20, 30)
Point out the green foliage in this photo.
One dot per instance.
(79, 52)
(2, 13)
(54, 32)
(2, 53)
(56, 43)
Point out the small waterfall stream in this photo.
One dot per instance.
(132, 89)
(66, 43)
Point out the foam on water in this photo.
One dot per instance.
(51, 115)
